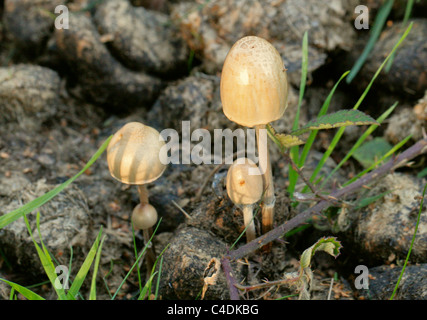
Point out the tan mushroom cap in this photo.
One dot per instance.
(144, 216)
(134, 155)
(254, 87)
(244, 187)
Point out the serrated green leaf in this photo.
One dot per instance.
(342, 118)
(288, 140)
(283, 140)
(329, 245)
(369, 152)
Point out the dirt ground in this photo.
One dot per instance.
(64, 91)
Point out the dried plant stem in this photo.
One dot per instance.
(267, 284)
(417, 149)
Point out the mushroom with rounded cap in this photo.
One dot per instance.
(134, 157)
(245, 189)
(254, 92)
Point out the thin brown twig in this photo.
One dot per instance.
(267, 284)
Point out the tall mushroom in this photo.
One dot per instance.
(134, 157)
(245, 189)
(254, 92)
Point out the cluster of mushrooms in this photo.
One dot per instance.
(254, 93)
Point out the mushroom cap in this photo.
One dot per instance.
(244, 187)
(254, 87)
(144, 216)
(134, 155)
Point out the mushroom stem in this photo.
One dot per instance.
(143, 194)
(267, 177)
(249, 222)
(150, 256)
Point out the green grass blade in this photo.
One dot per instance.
(367, 201)
(340, 131)
(47, 264)
(137, 260)
(412, 244)
(84, 269)
(29, 207)
(92, 292)
(294, 151)
(359, 142)
(156, 292)
(136, 256)
(147, 287)
(388, 154)
(154, 267)
(408, 11)
(380, 20)
(313, 134)
(27, 293)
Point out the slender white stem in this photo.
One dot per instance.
(265, 167)
(249, 222)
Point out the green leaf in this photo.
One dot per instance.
(147, 286)
(27, 293)
(283, 141)
(342, 118)
(340, 131)
(84, 269)
(29, 207)
(329, 245)
(46, 261)
(367, 201)
(422, 173)
(360, 141)
(323, 110)
(388, 154)
(371, 151)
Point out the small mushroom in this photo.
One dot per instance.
(254, 92)
(134, 157)
(245, 189)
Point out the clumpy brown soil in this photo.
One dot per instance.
(63, 92)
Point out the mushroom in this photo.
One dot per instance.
(254, 92)
(134, 157)
(245, 189)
